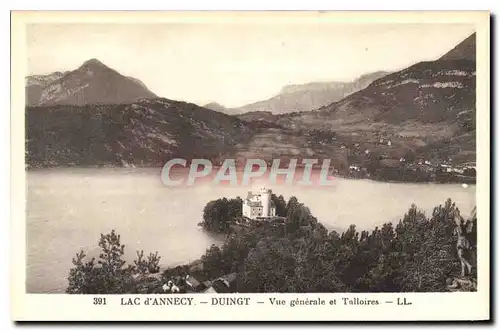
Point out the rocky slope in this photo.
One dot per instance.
(92, 83)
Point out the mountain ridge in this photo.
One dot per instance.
(302, 97)
(310, 96)
(143, 133)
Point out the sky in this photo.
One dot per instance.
(237, 64)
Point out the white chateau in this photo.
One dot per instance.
(259, 205)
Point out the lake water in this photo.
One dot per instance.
(68, 209)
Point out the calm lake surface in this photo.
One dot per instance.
(68, 209)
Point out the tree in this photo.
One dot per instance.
(219, 214)
(213, 263)
(110, 275)
(280, 205)
(234, 252)
(269, 267)
(84, 277)
(149, 265)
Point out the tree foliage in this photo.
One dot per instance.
(149, 265)
(109, 274)
(219, 214)
(280, 203)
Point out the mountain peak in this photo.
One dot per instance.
(93, 63)
(466, 50)
(92, 83)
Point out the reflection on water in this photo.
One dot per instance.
(67, 210)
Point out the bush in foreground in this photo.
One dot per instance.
(109, 274)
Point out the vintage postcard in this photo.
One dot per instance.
(250, 166)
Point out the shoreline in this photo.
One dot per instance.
(138, 168)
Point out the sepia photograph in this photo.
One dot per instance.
(234, 155)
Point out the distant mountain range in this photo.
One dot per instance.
(303, 97)
(96, 116)
(92, 83)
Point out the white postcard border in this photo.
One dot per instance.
(425, 306)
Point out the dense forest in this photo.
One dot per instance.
(418, 254)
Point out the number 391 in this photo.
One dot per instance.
(99, 301)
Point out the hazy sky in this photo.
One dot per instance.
(241, 63)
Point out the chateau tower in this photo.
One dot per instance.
(266, 201)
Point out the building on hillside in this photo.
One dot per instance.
(259, 205)
(218, 286)
(223, 284)
(193, 284)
